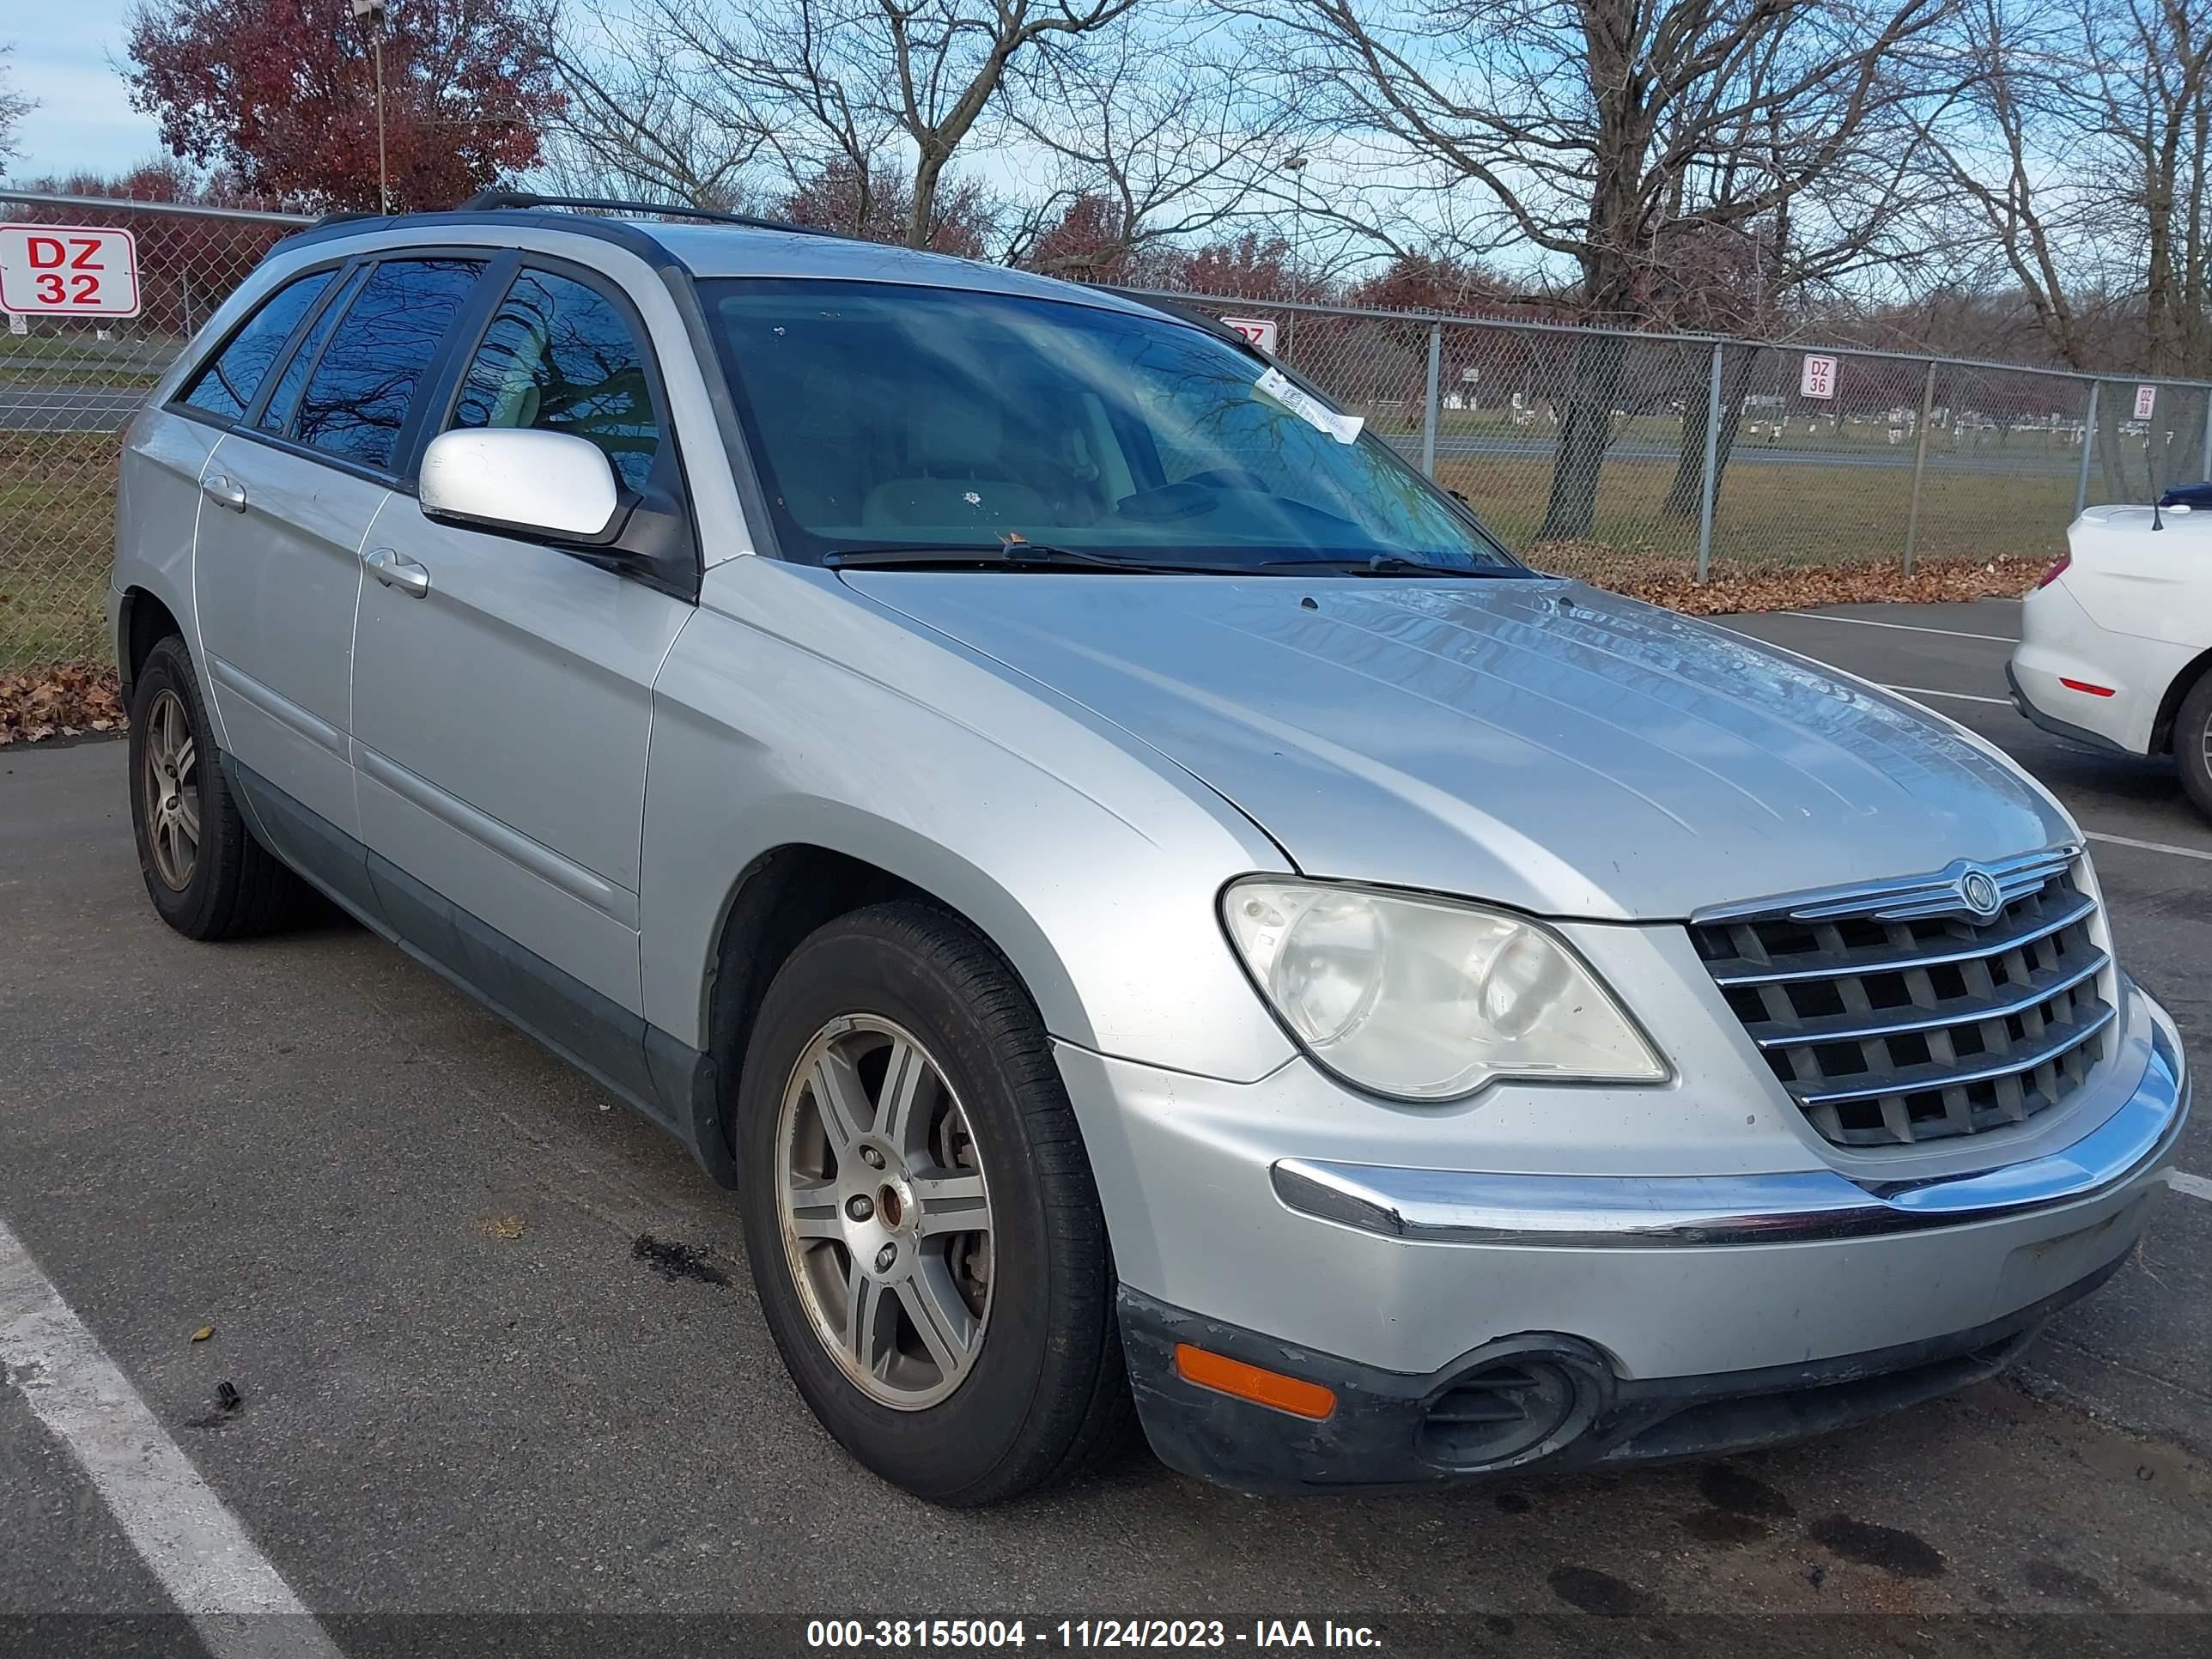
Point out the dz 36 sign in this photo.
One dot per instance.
(67, 271)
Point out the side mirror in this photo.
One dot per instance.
(551, 485)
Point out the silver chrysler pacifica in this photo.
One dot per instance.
(1157, 917)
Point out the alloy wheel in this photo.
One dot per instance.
(170, 789)
(885, 1211)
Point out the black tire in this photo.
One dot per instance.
(1047, 1397)
(2192, 743)
(235, 887)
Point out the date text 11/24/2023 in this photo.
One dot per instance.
(991, 1635)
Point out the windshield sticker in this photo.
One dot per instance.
(1344, 429)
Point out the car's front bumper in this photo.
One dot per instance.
(1738, 1309)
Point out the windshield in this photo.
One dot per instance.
(888, 416)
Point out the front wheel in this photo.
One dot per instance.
(2192, 743)
(919, 1214)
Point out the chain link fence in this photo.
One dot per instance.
(68, 386)
(1625, 458)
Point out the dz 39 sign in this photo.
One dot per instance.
(65, 270)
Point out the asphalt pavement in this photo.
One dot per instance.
(32, 407)
(473, 1416)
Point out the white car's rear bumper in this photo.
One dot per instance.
(2061, 642)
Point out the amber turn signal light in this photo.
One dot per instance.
(1233, 1377)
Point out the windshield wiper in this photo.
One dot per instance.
(995, 555)
(1390, 564)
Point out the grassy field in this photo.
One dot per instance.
(1771, 515)
(2058, 448)
(56, 536)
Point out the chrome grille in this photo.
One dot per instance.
(1895, 1015)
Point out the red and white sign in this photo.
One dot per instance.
(1817, 378)
(1260, 330)
(68, 271)
(2145, 401)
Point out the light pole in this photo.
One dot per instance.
(371, 13)
(1294, 165)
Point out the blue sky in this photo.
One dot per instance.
(84, 121)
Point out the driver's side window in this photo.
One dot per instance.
(560, 356)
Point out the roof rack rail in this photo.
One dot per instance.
(520, 199)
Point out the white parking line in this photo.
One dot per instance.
(2151, 846)
(1956, 696)
(2195, 1186)
(239, 1604)
(1902, 628)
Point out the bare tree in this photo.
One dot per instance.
(14, 105)
(833, 87)
(1155, 133)
(1568, 128)
(635, 124)
(2081, 149)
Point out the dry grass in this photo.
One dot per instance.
(1769, 514)
(56, 529)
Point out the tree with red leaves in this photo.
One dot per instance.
(282, 94)
(878, 204)
(1249, 266)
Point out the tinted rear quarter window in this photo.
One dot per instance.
(276, 411)
(225, 387)
(358, 396)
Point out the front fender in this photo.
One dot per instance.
(1092, 864)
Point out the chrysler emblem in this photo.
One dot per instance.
(1978, 891)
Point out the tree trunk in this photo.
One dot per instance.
(1684, 493)
(921, 216)
(1585, 433)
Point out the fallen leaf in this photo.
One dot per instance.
(203, 1333)
(60, 699)
(504, 1226)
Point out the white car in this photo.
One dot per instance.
(2116, 641)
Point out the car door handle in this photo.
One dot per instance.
(395, 570)
(224, 491)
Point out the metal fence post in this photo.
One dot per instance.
(1919, 464)
(2089, 438)
(1712, 484)
(1429, 408)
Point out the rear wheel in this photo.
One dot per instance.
(919, 1214)
(208, 876)
(2192, 743)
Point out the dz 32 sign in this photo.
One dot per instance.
(67, 271)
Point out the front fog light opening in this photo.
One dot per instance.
(1518, 1402)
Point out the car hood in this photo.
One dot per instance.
(1537, 742)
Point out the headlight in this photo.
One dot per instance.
(1425, 1001)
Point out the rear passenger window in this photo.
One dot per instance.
(560, 357)
(226, 386)
(360, 389)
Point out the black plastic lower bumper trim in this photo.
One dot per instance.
(1375, 1438)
